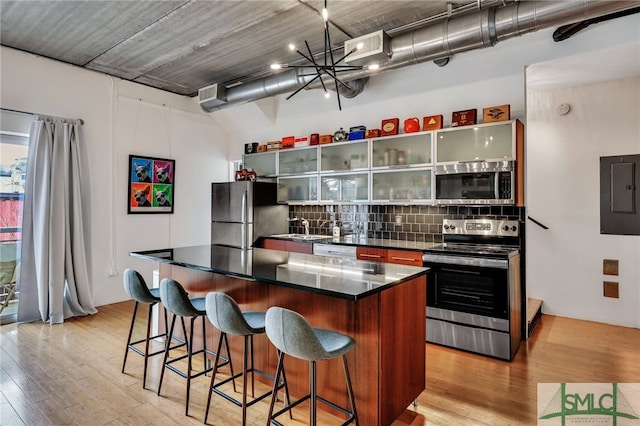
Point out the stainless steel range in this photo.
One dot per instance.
(473, 291)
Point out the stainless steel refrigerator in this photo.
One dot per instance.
(243, 211)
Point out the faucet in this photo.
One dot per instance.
(303, 221)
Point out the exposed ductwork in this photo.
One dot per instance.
(435, 42)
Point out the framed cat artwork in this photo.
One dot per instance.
(151, 184)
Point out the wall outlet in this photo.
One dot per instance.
(610, 289)
(336, 232)
(398, 220)
(610, 266)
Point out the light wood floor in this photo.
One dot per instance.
(69, 374)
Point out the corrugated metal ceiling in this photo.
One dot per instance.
(182, 46)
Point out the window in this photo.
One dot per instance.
(14, 141)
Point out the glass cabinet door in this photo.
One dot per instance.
(264, 163)
(414, 185)
(403, 150)
(344, 156)
(476, 143)
(346, 187)
(298, 189)
(298, 161)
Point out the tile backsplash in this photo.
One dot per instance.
(410, 223)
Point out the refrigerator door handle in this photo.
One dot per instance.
(243, 217)
(243, 214)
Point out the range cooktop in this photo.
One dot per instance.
(489, 238)
(474, 250)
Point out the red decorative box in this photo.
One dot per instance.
(373, 133)
(287, 142)
(463, 118)
(390, 126)
(326, 139)
(432, 122)
(301, 141)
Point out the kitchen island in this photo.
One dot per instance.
(382, 306)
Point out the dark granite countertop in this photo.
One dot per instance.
(437, 248)
(345, 278)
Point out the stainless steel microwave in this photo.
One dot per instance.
(477, 182)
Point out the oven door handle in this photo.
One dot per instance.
(461, 271)
(483, 262)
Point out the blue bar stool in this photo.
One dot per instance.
(292, 334)
(225, 314)
(136, 288)
(176, 300)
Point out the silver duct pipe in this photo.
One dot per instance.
(459, 34)
(284, 82)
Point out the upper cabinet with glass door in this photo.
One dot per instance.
(298, 161)
(402, 186)
(406, 150)
(263, 163)
(344, 156)
(344, 187)
(482, 142)
(298, 189)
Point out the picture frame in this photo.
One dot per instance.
(151, 185)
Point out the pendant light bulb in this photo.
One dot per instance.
(326, 95)
(292, 47)
(276, 66)
(325, 14)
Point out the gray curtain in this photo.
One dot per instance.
(54, 274)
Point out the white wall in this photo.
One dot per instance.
(564, 263)
(122, 118)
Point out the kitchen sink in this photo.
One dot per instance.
(303, 237)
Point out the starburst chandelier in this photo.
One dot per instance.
(329, 66)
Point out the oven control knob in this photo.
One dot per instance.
(514, 228)
(453, 227)
(505, 228)
(446, 226)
